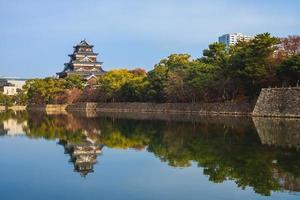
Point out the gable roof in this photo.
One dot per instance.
(90, 76)
(83, 43)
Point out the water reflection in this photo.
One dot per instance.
(278, 132)
(263, 155)
(83, 155)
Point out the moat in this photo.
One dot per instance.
(147, 156)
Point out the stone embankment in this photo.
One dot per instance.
(186, 108)
(49, 109)
(278, 102)
(14, 108)
(17, 108)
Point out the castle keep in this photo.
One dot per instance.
(83, 62)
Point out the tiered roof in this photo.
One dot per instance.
(82, 62)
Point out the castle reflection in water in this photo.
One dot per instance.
(262, 153)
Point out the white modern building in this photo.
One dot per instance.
(11, 86)
(232, 38)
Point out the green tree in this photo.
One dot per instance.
(217, 54)
(166, 78)
(123, 84)
(289, 70)
(20, 98)
(6, 100)
(44, 91)
(74, 81)
(50, 90)
(134, 89)
(251, 62)
(157, 81)
(200, 77)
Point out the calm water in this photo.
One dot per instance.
(147, 156)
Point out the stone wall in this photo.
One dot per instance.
(17, 108)
(278, 102)
(199, 108)
(50, 108)
(14, 108)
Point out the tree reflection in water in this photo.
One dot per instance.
(263, 155)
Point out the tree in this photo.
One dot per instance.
(134, 89)
(250, 61)
(51, 90)
(289, 70)
(6, 100)
(44, 91)
(291, 45)
(165, 74)
(217, 54)
(200, 77)
(20, 98)
(226, 83)
(74, 81)
(118, 84)
(157, 79)
(138, 72)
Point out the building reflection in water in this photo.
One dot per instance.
(14, 128)
(261, 153)
(83, 154)
(79, 136)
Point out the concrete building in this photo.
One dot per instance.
(233, 38)
(11, 86)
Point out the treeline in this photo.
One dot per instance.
(235, 73)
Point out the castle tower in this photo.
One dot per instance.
(83, 62)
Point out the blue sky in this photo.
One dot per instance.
(37, 35)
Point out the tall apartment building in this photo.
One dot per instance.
(233, 38)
